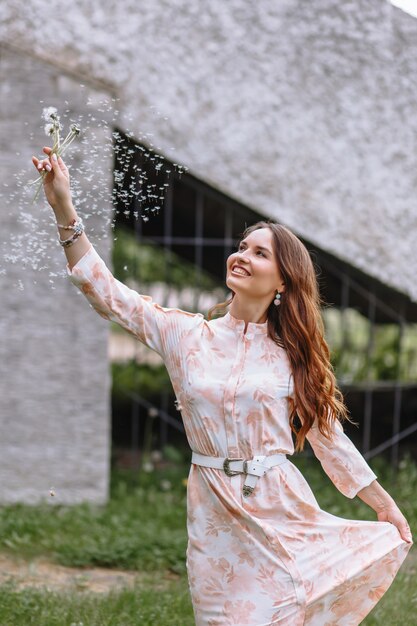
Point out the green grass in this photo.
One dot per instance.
(143, 528)
(142, 606)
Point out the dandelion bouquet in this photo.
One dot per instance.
(53, 127)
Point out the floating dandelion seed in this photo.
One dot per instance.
(100, 141)
(52, 492)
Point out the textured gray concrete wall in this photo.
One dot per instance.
(54, 372)
(303, 110)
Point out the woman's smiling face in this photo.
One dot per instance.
(255, 255)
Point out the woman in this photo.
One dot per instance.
(260, 550)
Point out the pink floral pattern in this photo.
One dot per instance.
(274, 558)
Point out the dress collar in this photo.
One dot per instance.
(233, 322)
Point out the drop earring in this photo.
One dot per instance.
(277, 300)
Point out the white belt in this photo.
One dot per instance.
(253, 468)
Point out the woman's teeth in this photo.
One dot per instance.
(240, 272)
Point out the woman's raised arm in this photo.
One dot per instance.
(159, 328)
(56, 184)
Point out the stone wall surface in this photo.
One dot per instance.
(302, 110)
(54, 371)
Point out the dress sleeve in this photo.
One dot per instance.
(341, 460)
(157, 327)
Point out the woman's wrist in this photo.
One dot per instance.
(375, 496)
(65, 213)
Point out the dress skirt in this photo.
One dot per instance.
(276, 559)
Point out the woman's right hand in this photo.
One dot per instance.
(56, 183)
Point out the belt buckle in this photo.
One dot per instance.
(247, 490)
(226, 466)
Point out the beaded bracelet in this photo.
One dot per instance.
(78, 227)
(71, 225)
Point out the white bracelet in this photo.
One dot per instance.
(78, 227)
(71, 225)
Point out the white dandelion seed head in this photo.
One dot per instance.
(49, 113)
(49, 129)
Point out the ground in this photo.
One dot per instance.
(41, 573)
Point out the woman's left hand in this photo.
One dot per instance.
(393, 515)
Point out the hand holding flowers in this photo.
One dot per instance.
(55, 181)
(55, 178)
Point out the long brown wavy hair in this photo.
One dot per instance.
(297, 326)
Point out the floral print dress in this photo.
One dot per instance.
(275, 557)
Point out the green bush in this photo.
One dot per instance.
(149, 263)
(147, 380)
